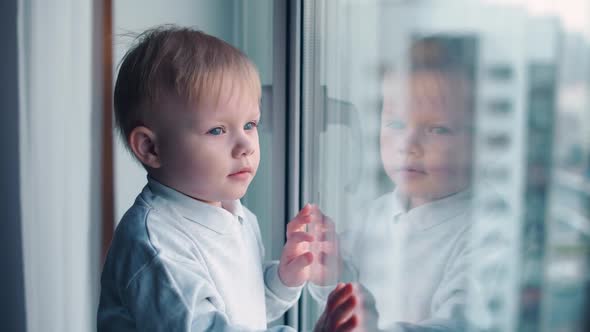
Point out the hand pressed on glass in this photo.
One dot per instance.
(326, 268)
(339, 314)
(296, 259)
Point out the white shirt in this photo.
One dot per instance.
(178, 264)
(414, 263)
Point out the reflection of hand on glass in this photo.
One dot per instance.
(327, 263)
(339, 314)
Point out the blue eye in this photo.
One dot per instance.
(216, 131)
(439, 130)
(250, 125)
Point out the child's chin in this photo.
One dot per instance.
(238, 194)
(411, 191)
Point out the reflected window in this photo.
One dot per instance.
(500, 72)
(499, 141)
(500, 106)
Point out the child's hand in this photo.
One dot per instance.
(327, 264)
(339, 313)
(294, 267)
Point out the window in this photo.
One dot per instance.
(500, 72)
(500, 107)
(396, 61)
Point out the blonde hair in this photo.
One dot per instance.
(179, 62)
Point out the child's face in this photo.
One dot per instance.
(210, 151)
(426, 146)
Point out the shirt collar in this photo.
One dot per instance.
(218, 219)
(432, 213)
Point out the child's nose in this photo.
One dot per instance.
(244, 146)
(409, 142)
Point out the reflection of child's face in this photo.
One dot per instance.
(426, 146)
(210, 151)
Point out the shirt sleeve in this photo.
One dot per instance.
(184, 300)
(279, 297)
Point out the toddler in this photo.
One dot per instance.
(187, 256)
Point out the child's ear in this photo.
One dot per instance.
(143, 143)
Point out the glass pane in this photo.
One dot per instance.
(447, 141)
(248, 27)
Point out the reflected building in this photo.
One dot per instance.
(567, 292)
(516, 60)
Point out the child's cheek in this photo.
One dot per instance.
(451, 178)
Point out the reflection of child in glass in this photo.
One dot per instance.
(411, 250)
(187, 256)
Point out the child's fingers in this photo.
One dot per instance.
(300, 237)
(323, 222)
(339, 295)
(324, 228)
(307, 209)
(298, 223)
(310, 213)
(345, 308)
(326, 236)
(327, 243)
(324, 225)
(298, 243)
(300, 262)
(341, 289)
(349, 324)
(329, 247)
(342, 312)
(339, 286)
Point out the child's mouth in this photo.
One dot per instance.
(411, 172)
(241, 174)
(407, 169)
